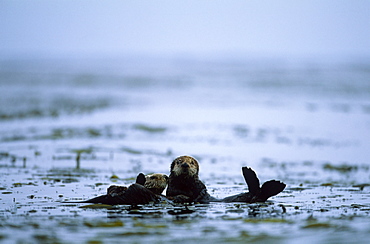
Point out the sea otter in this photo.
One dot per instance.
(146, 189)
(155, 182)
(184, 185)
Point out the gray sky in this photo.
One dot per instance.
(291, 27)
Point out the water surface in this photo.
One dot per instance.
(304, 122)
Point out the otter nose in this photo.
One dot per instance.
(185, 165)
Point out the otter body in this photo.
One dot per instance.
(146, 189)
(188, 189)
(132, 195)
(184, 185)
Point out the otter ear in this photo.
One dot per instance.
(140, 179)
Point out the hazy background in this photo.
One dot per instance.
(94, 92)
(268, 28)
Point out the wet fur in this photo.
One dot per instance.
(145, 190)
(184, 185)
(156, 182)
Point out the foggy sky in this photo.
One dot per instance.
(291, 27)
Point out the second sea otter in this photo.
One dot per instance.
(145, 190)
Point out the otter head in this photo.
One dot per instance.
(185, 165)
(156, 182)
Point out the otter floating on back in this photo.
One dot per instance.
(184, 186)
(145, 190)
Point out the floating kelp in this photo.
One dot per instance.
(149, 129)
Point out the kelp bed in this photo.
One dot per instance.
(33, 210)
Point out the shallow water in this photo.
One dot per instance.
(71, 128)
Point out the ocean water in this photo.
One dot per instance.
(305, 122)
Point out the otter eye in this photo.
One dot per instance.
(179, 161)
(153, 177)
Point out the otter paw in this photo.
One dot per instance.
(116, 190)
(181, 199)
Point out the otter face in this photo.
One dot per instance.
(185, 165)
(156, 182)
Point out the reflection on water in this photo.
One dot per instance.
(70, 128)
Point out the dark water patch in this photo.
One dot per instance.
(70, 133)
(13, 159)
(46, 238)
(37, 108)
(4, 155)
(62, 176)
(131, 151)
(298, 188)
(285, 136)
(65, 171)
(362, 186)
(340, 168)
(318, 225)
(242, 131)
(261, 135)
(117, 131)
(181, 211)
(149, 129)
(110, 224)
(97, 206)
(267, 220)
(18, 184)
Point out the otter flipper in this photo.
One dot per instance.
(271, 188)
(252, 181)
(140, 179)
